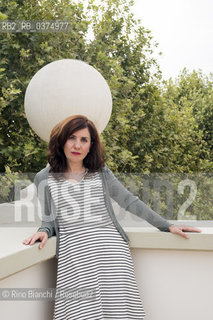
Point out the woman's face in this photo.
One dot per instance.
(77, 146)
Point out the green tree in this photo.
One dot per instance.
(193, 91)
(21, 56)
(147, 132)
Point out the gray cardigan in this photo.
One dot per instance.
(112, 189)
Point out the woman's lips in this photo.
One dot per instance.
(76, 153)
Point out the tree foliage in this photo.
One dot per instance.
(194, 91)
(21, 56)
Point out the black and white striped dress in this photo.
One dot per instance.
(95, 275)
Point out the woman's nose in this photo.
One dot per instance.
(77, 144)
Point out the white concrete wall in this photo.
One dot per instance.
(174, 285)
(174, 275)
(42, 275)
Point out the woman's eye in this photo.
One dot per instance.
(84, 140)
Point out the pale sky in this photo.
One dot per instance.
(184, 31)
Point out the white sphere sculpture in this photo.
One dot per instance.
(64, 88)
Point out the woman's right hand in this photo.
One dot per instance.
(42, 235)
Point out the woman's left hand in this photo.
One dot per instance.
(177, 229)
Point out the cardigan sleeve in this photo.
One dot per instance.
(44, 198)
(133, 204)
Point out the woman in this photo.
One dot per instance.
(92, 248)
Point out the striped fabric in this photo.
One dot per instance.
(95, 274)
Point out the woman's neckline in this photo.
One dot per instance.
(74, 182)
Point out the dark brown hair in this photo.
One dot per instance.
(94, 161)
